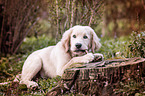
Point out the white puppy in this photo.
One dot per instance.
(53, 60)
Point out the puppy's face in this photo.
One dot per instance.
(79, 41)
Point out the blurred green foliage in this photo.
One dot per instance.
(137, 44)
(124, 47)
(32, 44)
(115, 48)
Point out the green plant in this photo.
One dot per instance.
(137, 44)
(47, 84)
(131, 88)
(10, 66)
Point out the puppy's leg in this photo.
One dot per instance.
(31, 67)
(82, 59)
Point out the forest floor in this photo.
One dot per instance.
(11, 65)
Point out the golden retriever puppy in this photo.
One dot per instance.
(53, 60)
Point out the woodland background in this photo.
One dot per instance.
(110, 18)
(29, 25)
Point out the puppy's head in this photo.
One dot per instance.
(78, 39)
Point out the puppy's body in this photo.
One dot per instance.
(53, 60)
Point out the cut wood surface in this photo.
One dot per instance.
(100, 78)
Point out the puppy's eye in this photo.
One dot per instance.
(74, 36)
(85, 37)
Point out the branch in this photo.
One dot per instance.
(57, 21)
(91, 18)
(72, 13)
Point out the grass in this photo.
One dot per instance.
(11, 65)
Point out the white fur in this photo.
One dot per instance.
(53, 60)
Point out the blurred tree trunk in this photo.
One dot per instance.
(17, 18)
(67, 21)
(115, 28)
(72, 13)
(57, 22)
(124, 16)
(104, 27)
(75, 13)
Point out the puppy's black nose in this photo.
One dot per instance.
(78, 45)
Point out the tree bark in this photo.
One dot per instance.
(101, 78)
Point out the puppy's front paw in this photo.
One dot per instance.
(88, 58)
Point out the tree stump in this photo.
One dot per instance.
(100, 78)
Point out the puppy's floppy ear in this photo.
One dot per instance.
(66, 39)
(95, 44)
